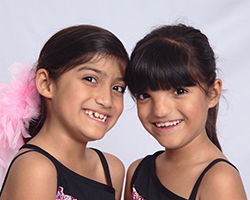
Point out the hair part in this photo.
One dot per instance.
(174, 56)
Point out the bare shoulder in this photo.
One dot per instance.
(114, 162)
(222, 181)
(117, 172)
(133, 167)
(34, 163)
(31, 175)
(130, 172)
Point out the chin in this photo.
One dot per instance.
(96, 136)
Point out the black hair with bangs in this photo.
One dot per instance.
(156, 67)
(171, 57)
(174, 56)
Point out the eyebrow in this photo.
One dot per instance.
(98, 71)
(92, 69)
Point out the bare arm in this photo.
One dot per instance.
(222, 182)
(32, 176)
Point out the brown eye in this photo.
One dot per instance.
(180, 91)
(90, 79)
(142, 96)
(119, 89)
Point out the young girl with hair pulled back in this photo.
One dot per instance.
(80, 79)
(172, 76)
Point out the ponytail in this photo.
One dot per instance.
(211, 125)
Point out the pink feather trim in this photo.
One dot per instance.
(19, 104)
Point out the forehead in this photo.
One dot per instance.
(105, 67)
(101, 60)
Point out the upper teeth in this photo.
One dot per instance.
(166, 124)
(96, 115)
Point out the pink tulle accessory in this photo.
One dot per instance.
(19, 104)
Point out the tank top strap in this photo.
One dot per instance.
(197, 184)
(40, 150)
(149, 158)
(10, 167)
(100, 154)
(105, 165)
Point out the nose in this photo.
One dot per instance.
(104, 97)
(162, 106)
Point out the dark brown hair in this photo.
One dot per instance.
(174, 56)
(73, 46)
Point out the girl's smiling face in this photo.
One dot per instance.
(174, 117)
(87, 100)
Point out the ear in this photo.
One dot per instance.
(44, 83)
(215, 92)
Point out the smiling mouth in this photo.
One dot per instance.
(95, 115)
(167, 124)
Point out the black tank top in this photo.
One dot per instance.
(72, 186)
(145, 184)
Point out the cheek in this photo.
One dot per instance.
(193, 105)
(196, 110)
(119, 105)
(190, 108)
(141, 112)
(69, 91)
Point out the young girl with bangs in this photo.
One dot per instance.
(74, 96)
(172, 76)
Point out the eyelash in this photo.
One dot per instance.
(141, 96)
(122, 89)
(117, 88)
(180, 91)
(90, 79)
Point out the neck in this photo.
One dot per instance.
(60, 145)
(199, 150)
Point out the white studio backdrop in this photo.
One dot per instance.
(26, 25)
